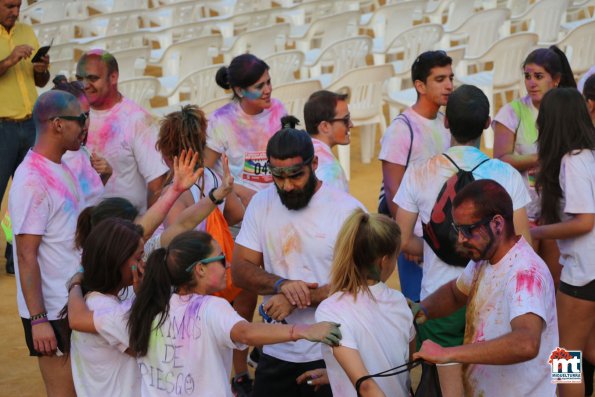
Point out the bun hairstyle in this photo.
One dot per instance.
(290, 142)
(243, 71)
(554, 61)
(289, 122)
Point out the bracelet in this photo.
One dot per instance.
(38, 316)
(213, 199)
(40, 321)
(278, 283)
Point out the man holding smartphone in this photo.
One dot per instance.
(18, 79)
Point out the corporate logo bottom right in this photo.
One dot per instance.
(567, 366)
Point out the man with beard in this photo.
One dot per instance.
(284, 252)
(512, 326)
(467, 115)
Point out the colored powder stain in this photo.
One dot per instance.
(291, 241)
(39, 163)
(528, 281)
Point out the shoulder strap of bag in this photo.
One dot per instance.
(406, 121)
(459, 169)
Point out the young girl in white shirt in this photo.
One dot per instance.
(376, 323)
(182, 336)
(566, 182)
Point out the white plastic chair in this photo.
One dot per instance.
(60, 32)
(131, 62)
(544, 18)
(184, 57)
(197, 87)
(209, 107)
(324, 31)
(177, 13)
(365, 87)
(234, 7)
(114, 42)
(112, 23)
(295, 95)
(260, 42)
(285, 65)
(457, 12)
(579, 47)
(340, 56)
(160, 38)
(309, 11)
(480, 31)
(388, 22)
(506, 56)
(140, 89)
(53, 11)
(234, 25)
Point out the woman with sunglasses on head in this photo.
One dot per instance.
(376, 323)
(100, 366)
(182, 335)
(566, 184)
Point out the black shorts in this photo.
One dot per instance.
(586, 292)
(60, 329)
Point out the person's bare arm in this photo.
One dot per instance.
(44, 339)
(184, 176)
(444, 301)
(234, 209)
(18, 53)
(154, 190)
(575, 226)
(247, 270)
(80, 318)
(521, 224)
(410, 243)
(254, 334)
(392, 175)
(519, 345)
(353, 365)
(504, 149)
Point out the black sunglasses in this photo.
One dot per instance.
(345, 120)
(81, 118)
(467, 230)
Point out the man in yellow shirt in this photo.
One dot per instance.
(18, 78)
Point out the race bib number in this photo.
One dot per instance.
(256, 168)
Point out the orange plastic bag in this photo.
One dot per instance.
(217, 227)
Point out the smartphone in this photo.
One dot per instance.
(41, 52)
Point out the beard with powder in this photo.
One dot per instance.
(298, 198)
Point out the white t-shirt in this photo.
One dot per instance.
(125, 136)
(211, 180)
(329, 170)
(99, 365)
(380, 327)
(296, 245)
(430, 138)
(79, 162)
(45, 200)
(577, 180)
(518, 284)
(525, 143)
(419, 191)
(243, 138)
(190, 354)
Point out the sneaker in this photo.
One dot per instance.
(242, 386)
(254, 357)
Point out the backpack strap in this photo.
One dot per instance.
(406, 121)
(458, 168)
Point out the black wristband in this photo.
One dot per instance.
(213, 199)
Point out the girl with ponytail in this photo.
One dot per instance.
(377, 325)
(183, 336)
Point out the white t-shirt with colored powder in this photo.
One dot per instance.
(525, 142)
(100, 366)
(379, 326)
(518, 284)
(191, 353)
(79, 161)
(125, 135)
(420, 188)
(45, 200)
(296, 245)
(329, 170)
(243, 138)
(577, 180)
(430, 138)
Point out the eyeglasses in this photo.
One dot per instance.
(292, 171)
(81, 118)
(345, 120)
(467, 230)
(206, 261)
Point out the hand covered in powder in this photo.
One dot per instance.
(323, 332)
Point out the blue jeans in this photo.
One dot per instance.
(16, 138)
(410, 278)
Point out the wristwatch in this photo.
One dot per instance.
(213, 199)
